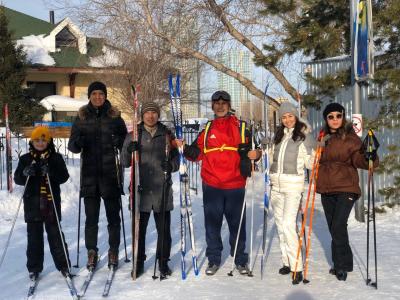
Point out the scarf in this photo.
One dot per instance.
(46, 205)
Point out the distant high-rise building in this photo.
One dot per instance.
(240, 62)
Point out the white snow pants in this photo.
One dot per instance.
(286, 206)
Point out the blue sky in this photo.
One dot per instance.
(35, 8)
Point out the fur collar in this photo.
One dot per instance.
(87, 110)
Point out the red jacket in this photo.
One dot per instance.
(221, 168)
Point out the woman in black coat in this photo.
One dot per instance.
(42, 160)
(97, 133)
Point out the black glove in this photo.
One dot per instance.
(191, 151)
(370, 155)
(44, 169)
(133, 146)
(30, 170)
(243, 149)
(166, 166)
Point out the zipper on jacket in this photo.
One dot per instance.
(281, 155)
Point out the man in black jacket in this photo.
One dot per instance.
(97, 133)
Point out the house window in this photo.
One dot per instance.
(42, 89)
(63, 116)
(66, 39)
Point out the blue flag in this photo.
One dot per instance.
(362, 43)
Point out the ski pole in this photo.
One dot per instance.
(79, 231)
(58, 224)
(117, 165)
(79, 215)
(305, 280)
(13, 223)
(252, 206)
(237, 238)
(1, 163)
(371, 145)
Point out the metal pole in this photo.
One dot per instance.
(359, 205)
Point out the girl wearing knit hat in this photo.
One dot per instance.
(41, 167)
(338, 183)
(292, 150)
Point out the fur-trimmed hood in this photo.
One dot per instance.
(107, 109)
(308, 128)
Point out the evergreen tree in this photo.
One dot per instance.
(321, 29)
(23, 109)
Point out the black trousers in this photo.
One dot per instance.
(35, 249)
(92, 210)
(337, 208)
(144, 221)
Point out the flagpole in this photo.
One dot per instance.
(359, 205)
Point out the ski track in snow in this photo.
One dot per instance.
(14, 276)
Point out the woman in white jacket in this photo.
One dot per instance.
(292, 151)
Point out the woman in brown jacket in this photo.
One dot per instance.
(338, 183)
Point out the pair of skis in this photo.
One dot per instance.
(107, 285)
(185, 201)
(313, 187)
(267, 184)
(135, 183)
(35, 281)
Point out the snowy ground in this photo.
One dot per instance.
(14, 279)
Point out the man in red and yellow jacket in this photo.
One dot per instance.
(224, 147)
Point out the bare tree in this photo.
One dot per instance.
(196, 29)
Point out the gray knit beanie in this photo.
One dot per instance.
(150, 106)
(287, 107)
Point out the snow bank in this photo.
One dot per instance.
(14, 276)
(62, 103)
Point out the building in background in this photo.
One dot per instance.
(62, 59)
(240, 62)
(190, 69)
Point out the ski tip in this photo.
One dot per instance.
(196, 272)
(183, 276)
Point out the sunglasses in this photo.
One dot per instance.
(221, 95)
(338, 116)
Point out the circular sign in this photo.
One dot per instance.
(357, 123)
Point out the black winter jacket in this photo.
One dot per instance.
(97, 132)
(58, 174)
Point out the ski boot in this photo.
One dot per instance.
(284, 270)
(112, 259)
(92, 260)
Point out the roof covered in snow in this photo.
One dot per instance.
(38, 39)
